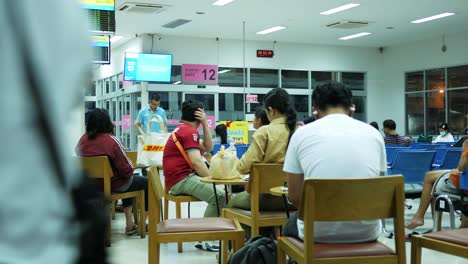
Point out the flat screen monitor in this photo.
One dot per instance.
(101, 49)
(143, 67)
(108, 5)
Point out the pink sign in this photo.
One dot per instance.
(126, 123)
(211, 123)
(251, 98)
(199, 74)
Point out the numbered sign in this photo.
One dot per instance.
(199, 74)
(251, 98)
(211, 123)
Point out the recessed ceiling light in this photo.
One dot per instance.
(355, 35)
(115, 38)
(390, 28)
(222, 2)
(339, 9)
(200, 13)
(270, 30)
(422, 20)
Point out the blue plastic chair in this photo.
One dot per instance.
(464, 180)
(439, 158)
(451, 159)
(391, 153)
(427, 146)
(241, 149)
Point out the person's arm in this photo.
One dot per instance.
(197, 163)
(206, 145)
(464, 158)
(295, 184)
(121, 162)
(255, 153)
(139, 121)
(164, 118)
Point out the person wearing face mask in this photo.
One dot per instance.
(444, 134)
(391, 136)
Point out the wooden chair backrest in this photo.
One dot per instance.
(155, 194)
(132, 155)
(98, 167)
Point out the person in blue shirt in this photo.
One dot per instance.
(152, 112)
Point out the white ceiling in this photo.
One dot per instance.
(302, 19)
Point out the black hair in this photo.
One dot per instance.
(390, 124)
(444, 126)
(261, 113)
(374, 124)
(309, 119)
(98, 122)
(278, 99)
(188, 110)
(221, 131)
(155, 97)
(332, 94)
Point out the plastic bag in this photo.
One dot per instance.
(223, 165)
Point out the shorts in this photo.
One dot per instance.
(445, 185)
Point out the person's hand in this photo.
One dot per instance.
(200, 115)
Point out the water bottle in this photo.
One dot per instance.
(233, 148)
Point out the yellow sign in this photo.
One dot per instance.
(238, 131)
(153, 148)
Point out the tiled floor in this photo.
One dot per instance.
(133, 249)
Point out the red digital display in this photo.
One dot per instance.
(265, 53)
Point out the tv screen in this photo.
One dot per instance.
(147, 67)
(101, 49)
(98, 4)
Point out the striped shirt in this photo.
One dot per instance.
(394, 139)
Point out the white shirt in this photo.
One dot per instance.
(446, 138)
(338, 146)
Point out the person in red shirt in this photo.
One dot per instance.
(99, 140)
(184, 178)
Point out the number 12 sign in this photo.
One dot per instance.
(199, 74)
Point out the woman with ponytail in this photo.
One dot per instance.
(269, 144)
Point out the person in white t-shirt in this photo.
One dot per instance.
(444, 134)
(334, 146)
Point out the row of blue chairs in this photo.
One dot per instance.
(445, 158)
(241, 149)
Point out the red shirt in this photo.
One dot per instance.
(175, 166)
(110, 146)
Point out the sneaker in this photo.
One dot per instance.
(212, 246)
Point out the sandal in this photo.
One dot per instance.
(133, 230)
(414, 233)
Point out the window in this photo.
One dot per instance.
(435, 111)
(260, 99)
(230, 106)
(319, 77)
(458, 110)
(360, 105)
(176, 74)
(294, 79)
(90, 89)
(415, 113)
(231, 77)
(301, 105)
(435, 79)
(164, 99)
(457, 76)
(264, 78)
(415, 81)
(354, 80)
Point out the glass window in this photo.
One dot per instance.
(164, 99)
(414, 81)
(231, 77)
(319, 77)
(90, 89)
(415, 114)
(360, 105)
(457, 76)
(435, 79)
(294, 79)
(264, 78)
(176, 74)
(458, 110)
(301, 105)
(89, 106)
(230, 107)
(107, 89)
(261, 99)
(435, 112)
(354, 80)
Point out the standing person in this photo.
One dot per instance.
(184, 178)
(99, 140)
(444, 134)
(316, 149)
(391, 136)
(36, 211)
(154, 113)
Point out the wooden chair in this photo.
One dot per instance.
(99, 167)
(186, 230)
(453, 242)
(263, 177)
(348, 200)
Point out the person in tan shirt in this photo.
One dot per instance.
(269, 145)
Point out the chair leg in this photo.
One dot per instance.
(166, 209)
(178, 216)
(415, 252)
(255, 230)
(109, 227)
(188, 211)
(281, 254)
(142, 214)
(135, 210)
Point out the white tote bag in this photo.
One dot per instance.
(151, 145)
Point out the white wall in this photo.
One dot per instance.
(420, 55)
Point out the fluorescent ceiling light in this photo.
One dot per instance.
(355, 36)
(222, 2)
(223, 71)
(270, 30)
(178, 82)
(339, 9)
(116, 38)
(422, 20)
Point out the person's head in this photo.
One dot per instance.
(98, 122)
(261, 117)
(221, 131)
(277, 104)
(155, 101)
(332, 97)
(189, 108)
(465, 131)
(374, 124)
(443, 129)
(389, 126)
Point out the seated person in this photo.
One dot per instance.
(221, 135)
(261, 117)
(99, 140)
(391, 136)
(183, 170)
(449, 183)
(461, 140)
(444, 134)
(269, 144)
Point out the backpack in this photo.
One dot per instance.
(258, 250)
